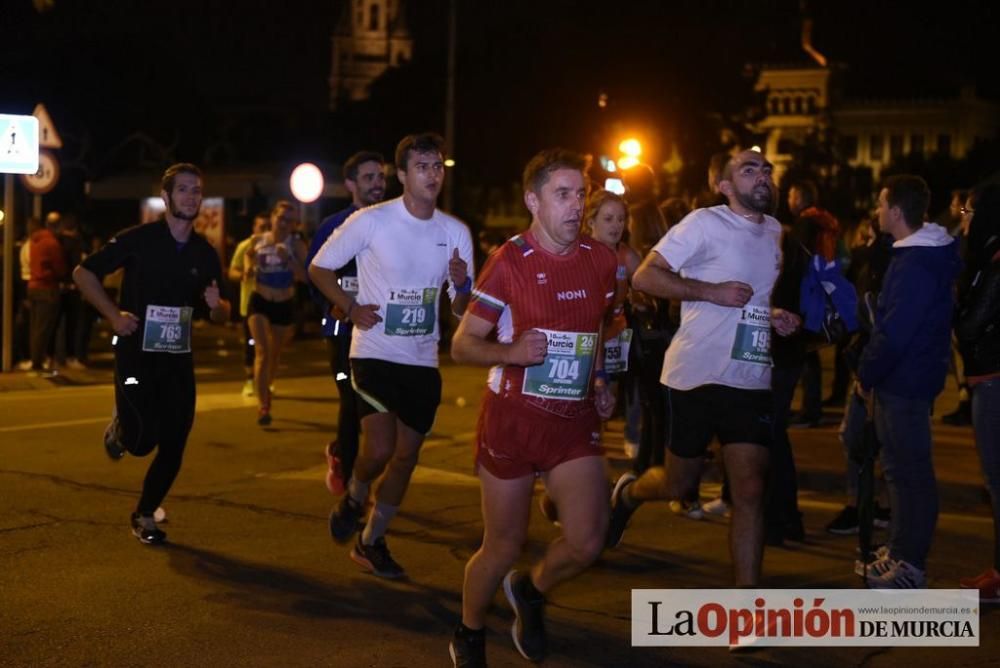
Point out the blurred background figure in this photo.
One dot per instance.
(977, 330)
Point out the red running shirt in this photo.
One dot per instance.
(524, 287)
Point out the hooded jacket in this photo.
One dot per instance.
(910, 344)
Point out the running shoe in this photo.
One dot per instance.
(264, 416)
(376, 559)
(528, 629)
(144, 528)
(689, 509)
(620, 513)
(988, 584)
(845, 523)
(896, 574)
(344, 519)
(112, 439)
(716, 506)
(468, 649)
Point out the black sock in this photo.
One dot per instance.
(530, 591)
(464, 630)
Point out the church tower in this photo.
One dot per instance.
(370, 37)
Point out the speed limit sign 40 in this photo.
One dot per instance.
(47, 176)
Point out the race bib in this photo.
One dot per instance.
(349, 284)
(565, 373)
(411, 312)
(753, 336)
(616, 352)
(167, 329)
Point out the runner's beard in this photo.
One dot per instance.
(177, 213)
(757, 201)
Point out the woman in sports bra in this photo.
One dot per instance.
(275, 260)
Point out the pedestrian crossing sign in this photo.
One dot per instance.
(18, 144)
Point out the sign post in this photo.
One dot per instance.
(18, 155)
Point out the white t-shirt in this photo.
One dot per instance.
(722, 345)
(402, 264)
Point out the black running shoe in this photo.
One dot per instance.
(882, 518)
(112, 440)
(376, 558)
(528, 629)
(144, 528)
(845, 523)
(620, 513)
(344, 519)
(468, 649)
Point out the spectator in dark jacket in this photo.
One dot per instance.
(903, 368)
(977, 329)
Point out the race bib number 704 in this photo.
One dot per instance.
(565, 373)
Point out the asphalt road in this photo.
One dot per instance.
(250, 576)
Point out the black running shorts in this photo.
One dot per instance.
(278, 313)
(731, 414)
(412, 393)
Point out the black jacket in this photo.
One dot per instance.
(977, 326)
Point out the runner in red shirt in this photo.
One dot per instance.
(547, 294)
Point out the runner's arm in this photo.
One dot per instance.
(122, 322)
(656, 277)
(469, 345)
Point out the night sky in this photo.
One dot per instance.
(229, 83)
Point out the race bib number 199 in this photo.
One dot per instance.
(411, 312)
(565, 373)
(167, 329)
(753, 336)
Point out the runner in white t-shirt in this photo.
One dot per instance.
(406, 250)
(721, 263)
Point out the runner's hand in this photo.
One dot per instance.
(458, 269)
(364, 316)
(212, 297)
(731, 293)
(784, 322)
(604, 399)
(338, 313)
(281, 250)
(529, 349)
(125, 323)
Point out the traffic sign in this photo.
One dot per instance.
(47, 176)
(18, 144)
(47, 135)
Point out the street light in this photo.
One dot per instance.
(631, 148)
(307, 183)
(307, 186)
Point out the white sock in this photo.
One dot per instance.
(378, 522)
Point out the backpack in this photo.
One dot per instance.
(828, 302)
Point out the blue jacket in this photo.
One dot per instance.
(331, 327)
(910, 344)
(823, 282)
